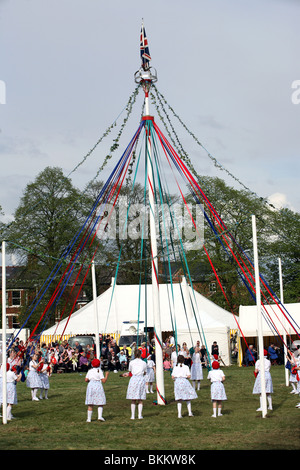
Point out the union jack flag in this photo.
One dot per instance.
(145, 53)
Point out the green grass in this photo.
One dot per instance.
(60, 422)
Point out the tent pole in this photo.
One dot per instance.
(259, 321)
(284, 323)
(4, 372)
(95, 311)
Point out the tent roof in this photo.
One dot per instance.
(127, 302)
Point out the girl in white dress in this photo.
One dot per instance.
(293, 377)
(45, 373)
(268, 380)
(33, 380)
(150, 374)
(95, 395)
(183, 390)
(196, 369)
(136, 390)
(217, 389)
(12, 377)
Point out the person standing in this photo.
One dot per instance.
(268, 380)
(136, 390)
(12, 377)
(150, 374)
(45, 372)
(95, 395)
(183, 390)
(174, 356)
(33, 380)
(196, 369)
(186, 353)
(217, 389)
(215, 349)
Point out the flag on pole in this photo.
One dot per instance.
(145, 53)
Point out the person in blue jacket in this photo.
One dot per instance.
(272, 353)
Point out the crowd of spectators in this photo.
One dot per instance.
(62, 357)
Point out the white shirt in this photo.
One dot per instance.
(216, 375)
(174, 358)
(95, 374)
(11, 376)
(150, 364)
(267, 364)
(196, 358)
(31, 364)
(181, 370)
(137, 367)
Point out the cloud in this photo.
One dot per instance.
(280, 201)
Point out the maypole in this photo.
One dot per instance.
(259, 322)
(98, 352)
(146, 77)
(4, 372)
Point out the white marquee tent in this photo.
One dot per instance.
(121, 303)
(248, 320)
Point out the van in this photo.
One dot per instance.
(132, 331)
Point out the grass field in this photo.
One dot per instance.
(59, 423)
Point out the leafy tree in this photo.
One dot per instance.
(46, 220)
(225, 244)
(285, 244)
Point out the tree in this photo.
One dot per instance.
(45, 222)
(285, 244)
(224, 245)
(46, 219)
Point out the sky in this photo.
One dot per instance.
(225, 66)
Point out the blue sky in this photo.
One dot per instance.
(225, 66)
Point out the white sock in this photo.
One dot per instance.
(46, 393)
(269, 398)
(140, 409)
(100, 412)
(35, 392)
(194, 384)
(89, 415)
(219, 411)
(189, 407)
(214, 412)
(147, 388)
(198, 387)
(151, 388)
(132, 410)
(9, 415)
(179, 407)
(260, 404)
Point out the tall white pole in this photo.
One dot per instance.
(283, 323)
(4, 374)
(95, 310)
(259, 322)
(160, 386)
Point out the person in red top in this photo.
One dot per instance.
(144, 351)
